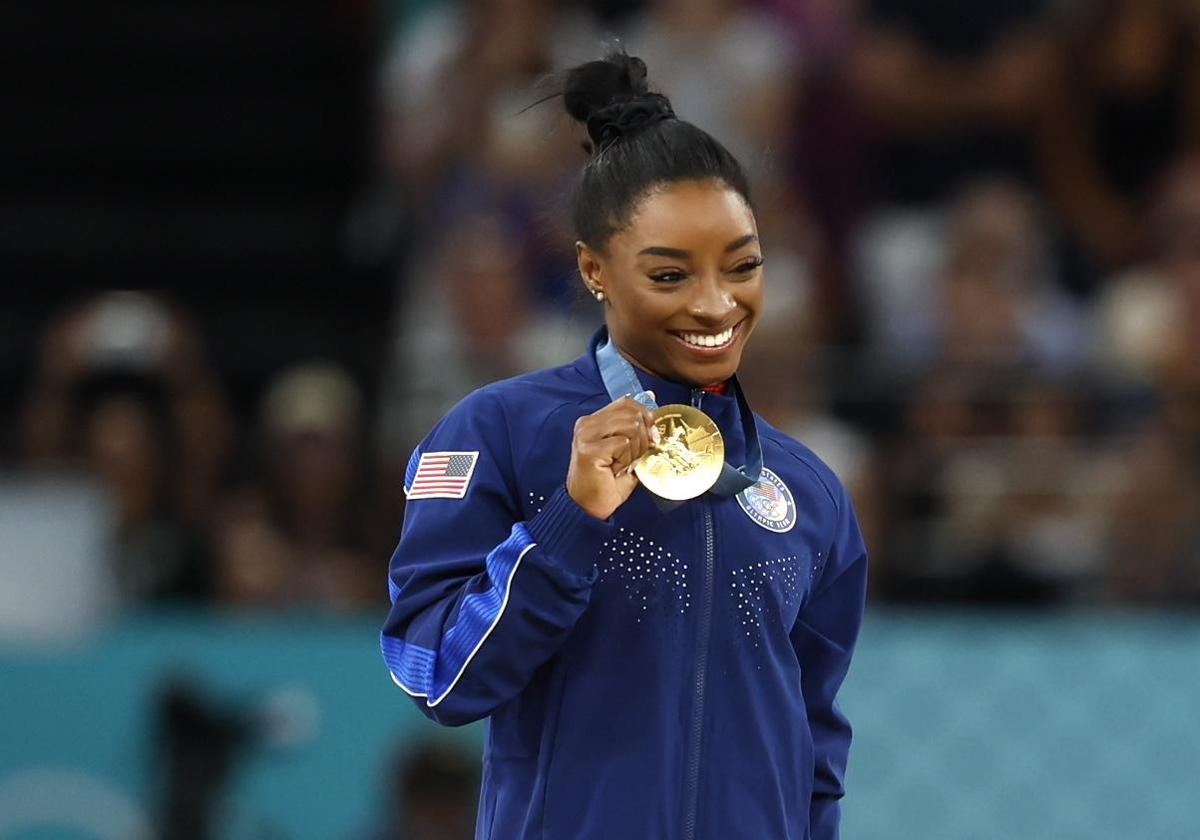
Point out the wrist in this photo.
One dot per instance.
(590, 509)
(568, 533)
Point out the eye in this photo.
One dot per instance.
(668, 276)
(749, 265)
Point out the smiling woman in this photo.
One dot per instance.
(684, 308)
(655, 606)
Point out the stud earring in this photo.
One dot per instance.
(599, 296)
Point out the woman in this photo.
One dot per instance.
(651, 668)
(1125, 103)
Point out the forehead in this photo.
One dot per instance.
(688, 214)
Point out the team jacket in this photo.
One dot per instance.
(665, 674)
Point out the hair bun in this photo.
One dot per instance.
(612, 98)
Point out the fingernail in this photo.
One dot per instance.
(654, 434)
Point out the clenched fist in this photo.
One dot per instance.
(605, 446)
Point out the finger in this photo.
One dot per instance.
(634, 430)
(625, 458)
(630, 425)
(645, 417)
(618, 417)
(608, 452)
(626, 403)
(651, 427)
(626, 483)
(647, 438)
(634, 460)
(633, 427)
(637, 450)
(640, 443)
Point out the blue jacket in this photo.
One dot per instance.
(661, 675)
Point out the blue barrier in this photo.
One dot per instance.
(967, 726)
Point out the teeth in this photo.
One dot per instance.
(708, 340)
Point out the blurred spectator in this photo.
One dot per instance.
(1148, 318)
(123, 391)
(729, 67)
(453, 82)
(470, 319)
(126, 441)
(1149, 348)
(952, 89)
(488, 288)
(432, 794)
(296, 535)
(821, 30)
(997, 496)
(975, 286)
(1154, 522)
(827, 130)
(1000, 303)
(1126, 102)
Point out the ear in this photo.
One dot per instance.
(590, 268)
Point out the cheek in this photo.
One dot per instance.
(636, 304)
(750, 296)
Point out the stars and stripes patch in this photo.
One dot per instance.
(442, 475)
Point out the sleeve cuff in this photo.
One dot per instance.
(568, 535)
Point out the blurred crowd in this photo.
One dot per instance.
(981, 225)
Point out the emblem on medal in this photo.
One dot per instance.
(688, 458)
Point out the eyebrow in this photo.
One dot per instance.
(679, 253)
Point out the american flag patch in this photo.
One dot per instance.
(442, 475)
(766, 488)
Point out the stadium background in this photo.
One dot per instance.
(253, 249)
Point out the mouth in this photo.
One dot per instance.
(709, 344)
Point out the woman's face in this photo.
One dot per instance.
(682, 282)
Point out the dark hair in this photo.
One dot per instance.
(637, 142)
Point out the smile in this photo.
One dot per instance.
(709, 343)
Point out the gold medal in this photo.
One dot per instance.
(688, 457)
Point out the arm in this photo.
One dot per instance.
(1066, 145)
(481, 598)
(824, 637)
(916, 88)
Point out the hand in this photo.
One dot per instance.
(605, 447)
(1014, 77)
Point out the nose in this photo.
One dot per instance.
(710, 302)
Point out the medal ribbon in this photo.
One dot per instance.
(620, 380)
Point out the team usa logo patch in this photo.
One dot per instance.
(769, 503)
(442, 475)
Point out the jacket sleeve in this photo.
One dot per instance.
(824, 637)
(481, 597)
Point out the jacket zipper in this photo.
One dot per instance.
(704, 631)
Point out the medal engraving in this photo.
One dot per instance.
(689, 456)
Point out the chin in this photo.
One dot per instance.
(713, 373)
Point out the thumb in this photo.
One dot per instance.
(626, 483)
